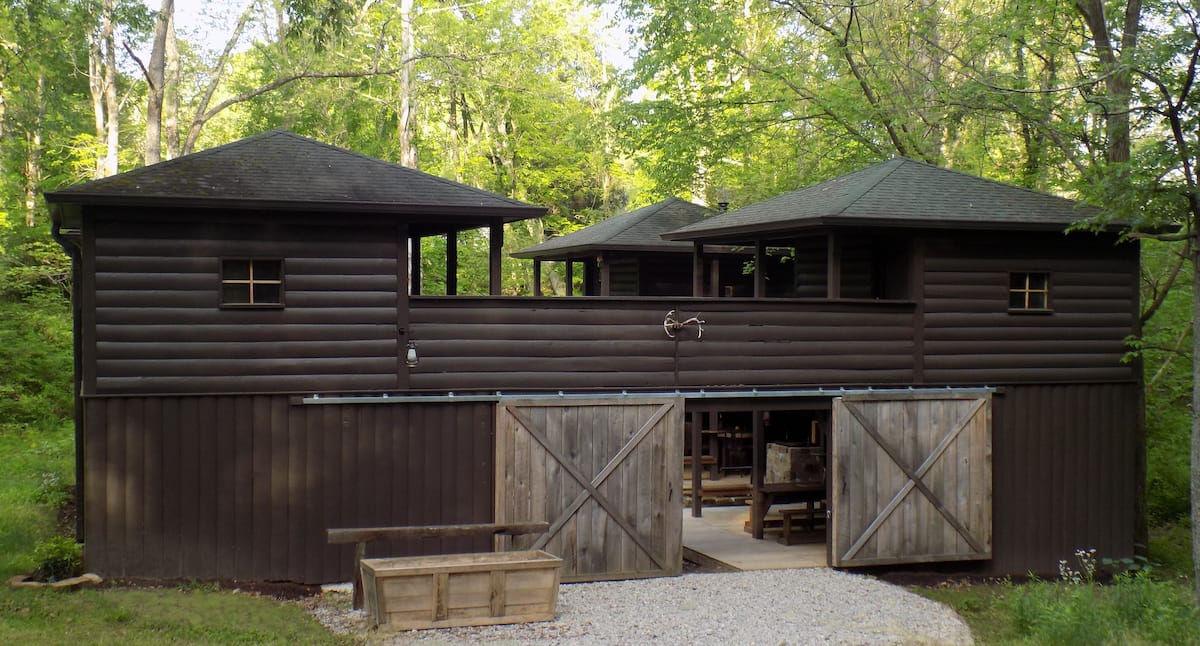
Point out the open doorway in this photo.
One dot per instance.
(761, 479)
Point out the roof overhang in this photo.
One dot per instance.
(425, 219)
(776, 230)
(584, 251)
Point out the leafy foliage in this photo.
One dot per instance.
(1134, 608)
(58, 558)
(35, 354)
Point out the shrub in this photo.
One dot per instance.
(58, 558)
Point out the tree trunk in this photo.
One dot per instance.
(1119, 82)
(156, 75)
(171, 91)
(1195, 466)
(112, 104)
(33, 153)
(408, 151)
(96, 92)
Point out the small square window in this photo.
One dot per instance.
(1029, 292)
(251, 282)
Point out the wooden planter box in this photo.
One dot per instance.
(461, 589)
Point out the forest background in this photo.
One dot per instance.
(591, 109)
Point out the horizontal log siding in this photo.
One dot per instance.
(158, 327)
(1064, 475)
(970, 336)
(245, 486)
(476, 343)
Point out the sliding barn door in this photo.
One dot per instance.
(911, 479)
(604, 473)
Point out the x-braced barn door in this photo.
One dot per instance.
(911, 479)
(605, 475)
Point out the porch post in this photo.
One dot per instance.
(715, 278)
(414, 271)
(452, 263)
(570, 277)
(589, 277)
(605, 275)
(697, 464)
(537, 277)
(833, 268)
(757, 455)
(698, 269)
(760, 275)
(495, 256)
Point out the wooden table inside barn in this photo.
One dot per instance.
(768, 494)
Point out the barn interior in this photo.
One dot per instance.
(756, 496)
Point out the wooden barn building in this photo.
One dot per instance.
(253, 369)
(625, 255)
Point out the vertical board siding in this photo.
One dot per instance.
(159, 328)
(245, 486)
(565, 343)
(1064, 474)
(971, 337)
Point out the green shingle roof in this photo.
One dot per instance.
(896, 193)
(282, 170)
(638, 230)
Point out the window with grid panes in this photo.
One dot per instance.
(251, 282)
(1028, 291)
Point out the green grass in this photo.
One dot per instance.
(159, 616)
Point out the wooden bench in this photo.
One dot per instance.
(363, 535)
(800, 523)
(706, 461)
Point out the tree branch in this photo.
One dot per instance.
(1162, 290)
(145, 72)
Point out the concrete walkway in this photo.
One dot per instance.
(717, 538)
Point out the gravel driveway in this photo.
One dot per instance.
(769, 607)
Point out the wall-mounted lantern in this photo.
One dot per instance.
(410, 355)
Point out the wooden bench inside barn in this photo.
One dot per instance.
(800, 524)
(360, 536)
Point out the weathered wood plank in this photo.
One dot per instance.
(214, 367)
(587, 481)
(225, 432)
(155, 462)
(236, 332)
(151, 315)
(339, 536)
(187, 426)
(913, 489)
(132, 495)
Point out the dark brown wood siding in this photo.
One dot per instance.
(623, 274)
(159, 327)
(552, 344)
(1064, 474)
(245, 486)
(971, 337)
